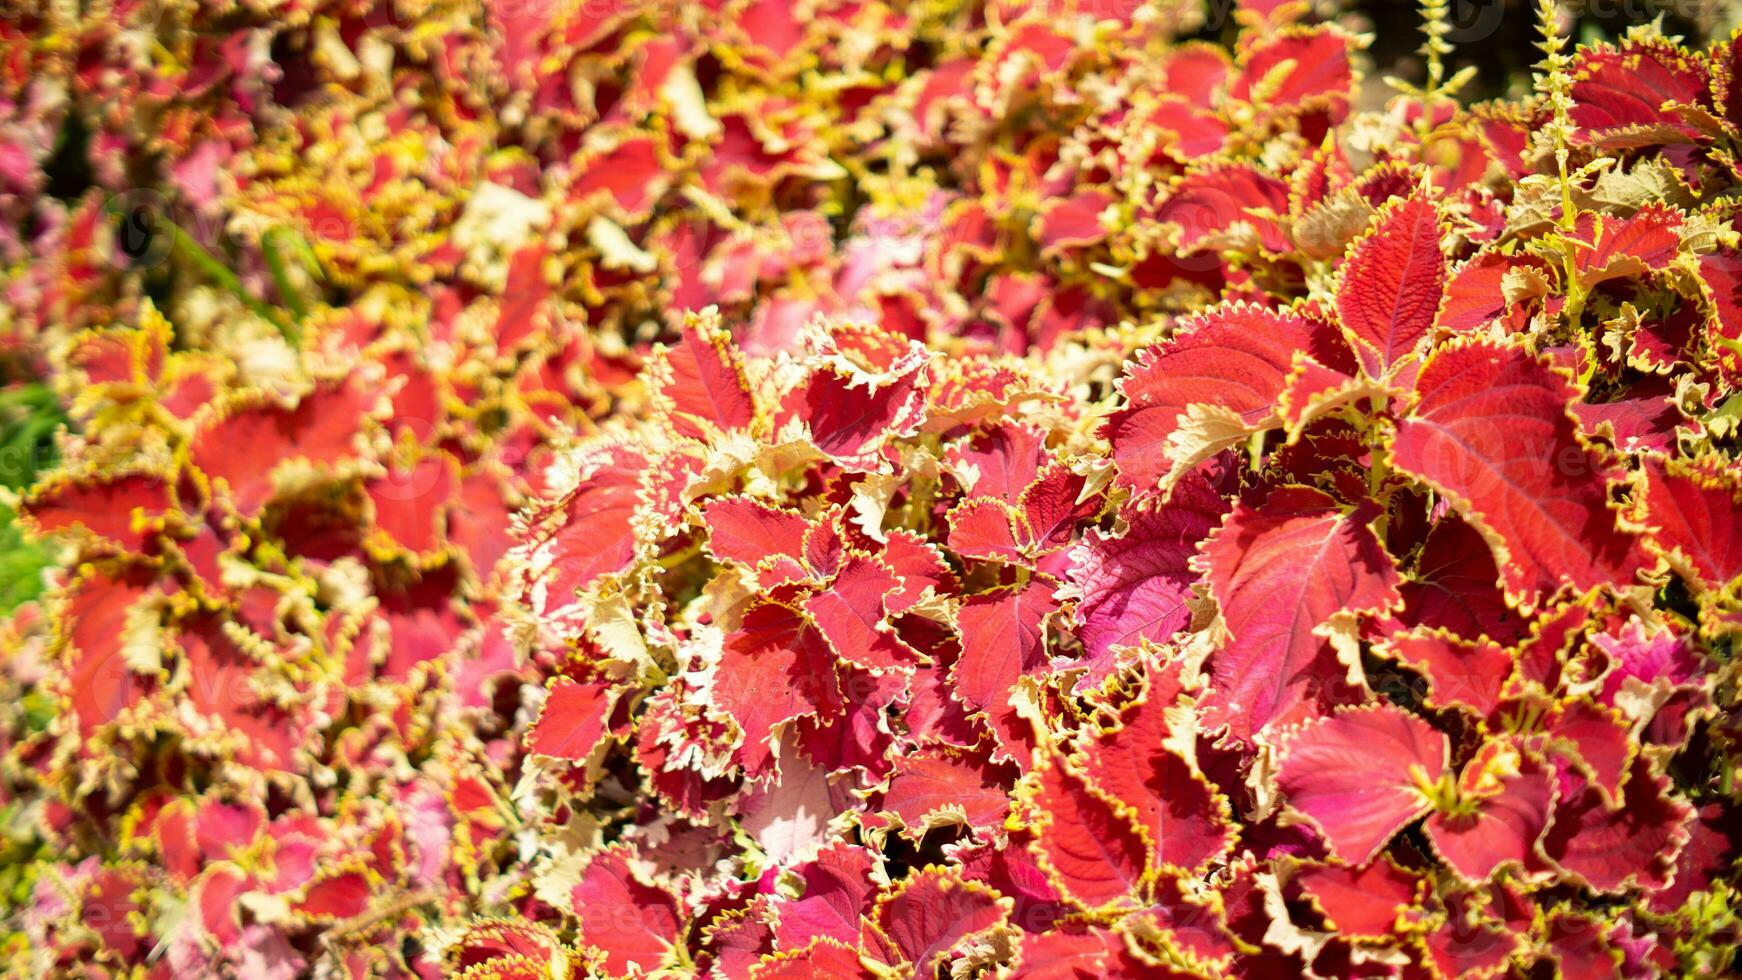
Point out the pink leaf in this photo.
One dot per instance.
(1279, 572)
(1359, 775)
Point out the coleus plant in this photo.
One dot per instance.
(1133, 510)
(1383, 662)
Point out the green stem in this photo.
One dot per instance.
(1569, 214)
(287, 290)
(1379, 464)
(1575, 306)
(220, 274)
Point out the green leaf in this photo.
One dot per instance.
(21, 564)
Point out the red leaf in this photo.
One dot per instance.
(1615, 848)
(1393, 283)
(221, 690)
(1010, 868)
(224, 830)
(921, 568)
(935, 778)
(1492, 433)
(1051, 511)
(850, 615)
(1067, 952)
(1456, 586)
(1361, 902)
(857, 735)
(1694, 510)
(335, 897)
(851, 412)
(740, 938)
(1648, 419)
(630, 174)
(1290, 68)
(1612, 248)
(244, 445)
(1209, 387)
(1073, 222)
(1721, 274)
(1579, 946)
(824, 549)
(837, 891)
(1208, 203)
(1646, 658)
(1197, 132)
(985, 528)
(120, 508)
(1470, 945)
(1598, 740)
(480, 524)
(1476, 295)
(1538, 659)
(700, 383)
(1470, 673)
(1090, 846)
(1660, 344)
(935, 711)
(1315, 390)
(110, 909)
(748, 531)
(410, 505)
(775, 668)
(932, 911)
(1002, 639)
(665, 738)
(822, 958)
(1504, 803)
(525, 307)
(1709, 855)
(1279, 572)
(634, 924)
(1184, 815)
(572, 722)
(1004, 461)
(1359, 775)
(98, 679)
(216, 893)
(1625, 88)
(589, 532)
(494, 941)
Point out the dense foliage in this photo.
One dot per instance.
(756, 489)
